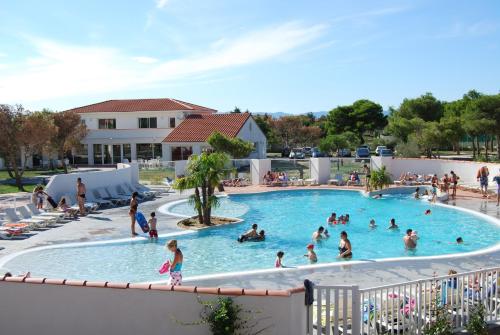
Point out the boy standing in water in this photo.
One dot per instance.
(311, 255)
(153, 233)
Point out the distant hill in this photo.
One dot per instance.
(277, 115)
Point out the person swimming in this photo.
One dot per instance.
(427, 212)
(410, 240)
(250, 233)
(372, 224)
(332, 218)
(259, 238)
(311, 255)
(460, 240)
(393, 224)
(345, 248)
(320, 234)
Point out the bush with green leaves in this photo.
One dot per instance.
(442, 325)
(409, 149)
(380, 178)
(476, 324)
(225, 317)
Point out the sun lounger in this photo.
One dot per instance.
(144, 189)
(25, 214)
(144, 195)
(89, 206)
(35, 211)
(15, 219)
(117, 192)
(104, 197)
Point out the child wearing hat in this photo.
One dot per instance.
(311, 255)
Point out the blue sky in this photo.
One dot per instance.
(261, 55)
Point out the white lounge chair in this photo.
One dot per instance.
(129, 189)
(113, 191)
(89, 206)
(35, 211)
(14, 218)
(25, 214)
(98, 196)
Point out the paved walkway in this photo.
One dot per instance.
(114, 223)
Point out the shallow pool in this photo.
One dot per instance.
(289, 219)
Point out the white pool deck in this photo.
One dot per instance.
(114, 224)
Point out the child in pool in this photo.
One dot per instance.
(372, 224)
(311, 255)
(153, 233)
(279, 259)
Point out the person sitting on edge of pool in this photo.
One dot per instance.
(250, 233)
(320, 234)
(372, 224)
(393, 224)
(410, 240)
(345, 248)
(332, 218)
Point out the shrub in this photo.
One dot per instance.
(409, 149)
(379, 178)
(476, 324)
(442, 324)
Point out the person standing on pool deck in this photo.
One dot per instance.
(175, 264)
(409, 240)
(133, 210)
(482, 178)
(454, 181)
(345, 249)
(497, 179)
(80, 195)
(366, 170)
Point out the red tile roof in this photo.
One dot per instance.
(140, 105)
(198, 127)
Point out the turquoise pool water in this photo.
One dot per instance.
(289, 219)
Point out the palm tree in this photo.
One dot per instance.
(204, 173)
(380, 178)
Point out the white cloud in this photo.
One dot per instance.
(145, 59)
(57, 70)
(161, 3)
(460, 29)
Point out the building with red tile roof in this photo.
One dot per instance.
(165, 129)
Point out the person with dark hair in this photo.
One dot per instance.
(153, 233)
(393, 224)
(453, 181)
(134, 204)
(410, 240)
(249, 234)
(460, 240)
(320, 234)
(279, 259)
(80, 195)
(345, 248)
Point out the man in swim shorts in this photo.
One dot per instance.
(482, 178)
(80, 195)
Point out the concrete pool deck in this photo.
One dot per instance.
(114, 224)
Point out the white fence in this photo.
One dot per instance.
(406, 308)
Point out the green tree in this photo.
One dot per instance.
(333, 143)
(487, 107)
(69, 131)
(204, 173)
(235, 147)
(360, 117)
(426, 107)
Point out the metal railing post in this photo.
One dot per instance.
(356, 311)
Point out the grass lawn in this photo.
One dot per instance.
(31, 173)
(13, 188)
(156, 176)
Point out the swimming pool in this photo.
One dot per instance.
(289, 219)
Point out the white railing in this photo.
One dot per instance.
(405, 308)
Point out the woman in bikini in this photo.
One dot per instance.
(133, 210)
(345, 249)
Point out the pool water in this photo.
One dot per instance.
(289, 219)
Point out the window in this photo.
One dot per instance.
(127, 152)
(181, 153)
(147, 122)
(172, 122)
(148, 150)
(107, 123)
(97, 154)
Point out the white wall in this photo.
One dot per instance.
(252, 133)
(62, 184)
(45, 309)
(465, 170)
(129, 120)
(258, 169)
(321, 169)
(180, 168)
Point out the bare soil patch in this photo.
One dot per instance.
(193, 223)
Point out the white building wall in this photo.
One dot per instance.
(252, 133)
(45, 309)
